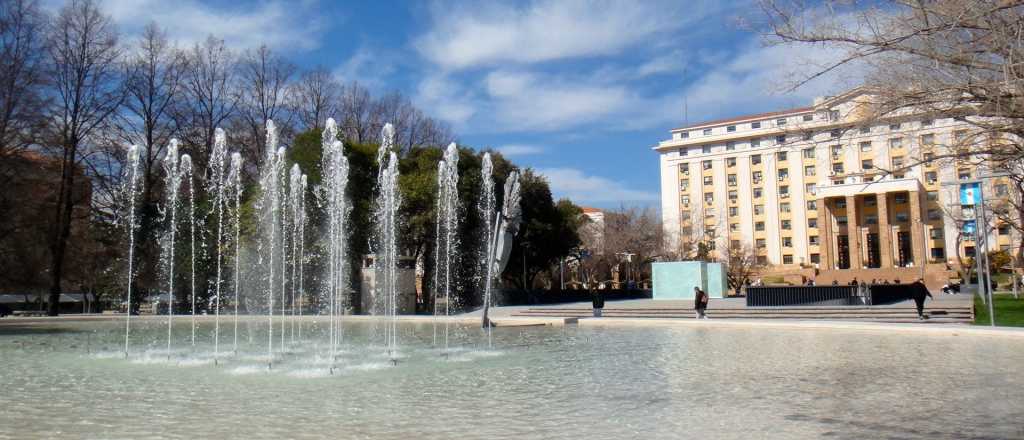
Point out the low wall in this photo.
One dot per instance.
(515, 297)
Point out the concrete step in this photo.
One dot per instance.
(933, 319)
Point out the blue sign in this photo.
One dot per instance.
(970, 193)
(969, 227)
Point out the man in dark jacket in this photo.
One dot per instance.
(700, 303)
(919, 292)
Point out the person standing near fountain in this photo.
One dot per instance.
(700, 303)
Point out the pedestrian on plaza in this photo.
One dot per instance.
(918, 291)
(700, 303)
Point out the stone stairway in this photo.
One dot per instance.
(959, 312)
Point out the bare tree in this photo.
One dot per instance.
(264, 80)
(943, 57)
(315, 97)
(210, 97)
(83, 69)
(357, 114)
(22, 27)
(740, 265)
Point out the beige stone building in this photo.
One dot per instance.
(821, 187)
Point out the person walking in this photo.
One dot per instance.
(918, 291)
(700, 303)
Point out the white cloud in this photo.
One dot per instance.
(280, 24)
(520, 150)
(579, 187)
(544, 30)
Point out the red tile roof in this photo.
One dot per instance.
(746, 117)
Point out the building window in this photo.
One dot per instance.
(707, 131)
(784, 207)
(783, 174)
(784, 191)
(705, 149)
(927, 139)
(780, 122)
(841, 204)
(808, 135)
(735, 244)
(896, 143)
(933, 196)
(684, 151)
(900, 198)
(870, 201)
(756, 176)
(787, 241)
(809, 153)
(871, 219)
(733, 195)
(809, 170)
(758, 192)
(833, 115)
(707, 180)
(931, 177)
(895, 126)
(812, 240)
(837, 168)
(1004, 229)
(897, 161)
(780, 139)
(841, 219)
(685, 168)
(865, 130)
(755, 159)
(812, 222)
(834, 134)
(755, 142)
(758, 209)
(781, 155)
(934, 214)
(755, 124)
(734, 227)
(815, 258)
(938, 253)
(935, 233)
(812, 205)
(730, 128)
(709, 198)
(837, 152)
(808, 118)
(902, 217)
(731, 179)
(758, 226)
(867, 164)
(685, 135)
(1001, 189)
(810, 188)
(730, 162)
(730, 146)
(733, 211)
(964, 174)
(760, 243)
(686, 200)
(787, 259)
(706, 164)
(865, 147)
(927, 122)
(684, 184)
(786, 225)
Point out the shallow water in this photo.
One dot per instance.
(71, 381)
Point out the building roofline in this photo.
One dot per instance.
(742, 118)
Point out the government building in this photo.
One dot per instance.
(826, 192)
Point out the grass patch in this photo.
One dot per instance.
(1009, 311)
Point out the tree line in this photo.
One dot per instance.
(75, 91)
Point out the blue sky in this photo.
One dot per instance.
(578, 90)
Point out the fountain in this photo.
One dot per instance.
(506, 224)
(175, 168)
(386, 246)
(234, 181)
(486, 209)
(447, 232)
(334, 199)
(269, 206)
(131, 191)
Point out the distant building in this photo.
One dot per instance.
(803, 187)
(592, 231)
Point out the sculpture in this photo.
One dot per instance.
(505, 227)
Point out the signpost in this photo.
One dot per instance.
(972, 207)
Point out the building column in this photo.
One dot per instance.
(825, 232)
(884, 230)
(853, 233)
(917, 238)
